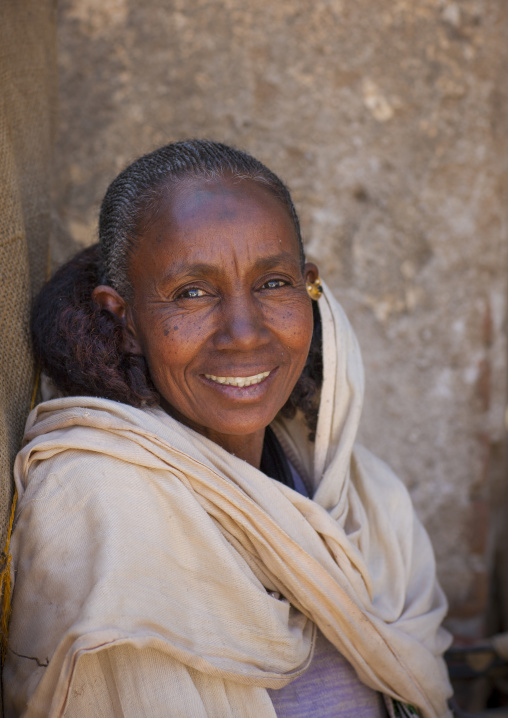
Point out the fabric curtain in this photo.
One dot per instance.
(28, 71)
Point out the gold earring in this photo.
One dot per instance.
(315, 289)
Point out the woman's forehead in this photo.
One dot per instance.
(219, 221)
(199, 206)
(217, 198)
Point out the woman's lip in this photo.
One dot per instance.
(239, 380)
(236, 392)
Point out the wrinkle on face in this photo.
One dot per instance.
(205, 266)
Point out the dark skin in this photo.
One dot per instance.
(220, 309)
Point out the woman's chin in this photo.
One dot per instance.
(217, 423)
(216, 409)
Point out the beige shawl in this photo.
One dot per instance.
(158, 575)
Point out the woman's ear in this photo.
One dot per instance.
(108, 298)
(310, 272)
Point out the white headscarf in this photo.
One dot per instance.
(154, 568)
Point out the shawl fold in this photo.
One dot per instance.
(155, 569)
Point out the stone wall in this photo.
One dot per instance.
(388, 120)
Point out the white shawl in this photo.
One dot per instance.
(157, 574)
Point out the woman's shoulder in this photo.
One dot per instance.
(384, 497)
(374, 475)
(72, 443)
(88, 471)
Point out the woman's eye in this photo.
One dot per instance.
(191, 293)
(274, 284)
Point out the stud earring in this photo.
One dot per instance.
(315, 289)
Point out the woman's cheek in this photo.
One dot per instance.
(298, 326)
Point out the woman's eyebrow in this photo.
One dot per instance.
(204, 269)
(276, 259)
(197, 269)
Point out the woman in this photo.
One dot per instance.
(197, 534)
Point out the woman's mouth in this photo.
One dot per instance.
(240, 381)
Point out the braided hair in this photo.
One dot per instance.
(136, 193)
(79, 345)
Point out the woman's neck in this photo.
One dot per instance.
(248, 447)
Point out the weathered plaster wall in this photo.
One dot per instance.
(388, 119)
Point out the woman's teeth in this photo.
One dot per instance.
(239, 380)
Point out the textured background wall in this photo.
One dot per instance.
(388, 119)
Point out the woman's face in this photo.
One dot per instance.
(220, 308)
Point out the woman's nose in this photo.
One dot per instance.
(242, 325)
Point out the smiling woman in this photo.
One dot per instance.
(219, 311)
(197, 532)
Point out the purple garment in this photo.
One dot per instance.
(329, 688)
